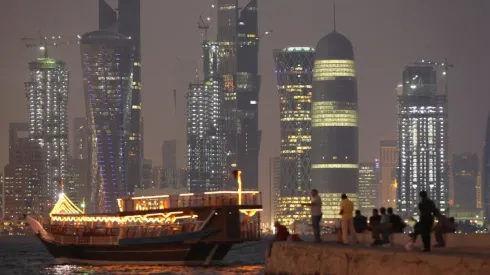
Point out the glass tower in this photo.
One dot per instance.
(422, 140)
(465, 174)
(294, 70)
(334, 123)
(47, 100)
(107, 64)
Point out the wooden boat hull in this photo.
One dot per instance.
(140, 254)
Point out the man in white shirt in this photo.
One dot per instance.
(316, 213)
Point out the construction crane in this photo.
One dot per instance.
(202, 25)
(45, 42)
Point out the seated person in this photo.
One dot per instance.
(383, 228)
(360, 222)
(444, 225)
(282, 233)
(397, 223)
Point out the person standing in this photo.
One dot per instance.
(316, 213)
(346, 209)
(427, 210)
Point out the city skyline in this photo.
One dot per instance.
(377, 83)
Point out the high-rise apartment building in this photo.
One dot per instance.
(169, 154)
(126, 21)
(238, 66)
(275, 186)
(24, 176)
(47, 100)
(107, 63)
(205, 146)
(294, 70)
(422, 140)
(334, 123)
(465, 175)
(388, 157)
(368, 187)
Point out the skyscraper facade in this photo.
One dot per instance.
(465, 173)
(80, 139)
(205, 146)
(275, 186)
(294, 70)
(147, 174)
(388, 156)
(107, 63)
(368, 187)
(334, 122)
(169, 154)
(485, 177)
(24, 176)
(422, 140)
(47, 100)
(127, 22)
(238, 66)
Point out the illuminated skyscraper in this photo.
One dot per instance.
(127, 22)
(205, 146)
(238, 65)
(465, 174)
(334, 122)
(275, 185)
(388, 171)
(485, 178)
(47, 99)
(24, 175)
(107, 63)
(368, 186)
(80, 138)
(422, 140)
(294, 70)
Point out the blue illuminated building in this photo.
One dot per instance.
(107, 63)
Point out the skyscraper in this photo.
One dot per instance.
(388, 156)
(107, 63)
(275, 186)
(47, 100)
(147, 174)
(80, 138)
(169, 154)
(334, 122)
(24, 176)
(422, 140)
(485, 178)
(205, 147)
(238, 66)
(368, 186)
(128, 24)
(294, 70)
(465, 173)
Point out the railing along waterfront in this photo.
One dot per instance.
(209, 199)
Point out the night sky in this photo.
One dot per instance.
(386, 34)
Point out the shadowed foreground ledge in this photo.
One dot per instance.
(300, 258)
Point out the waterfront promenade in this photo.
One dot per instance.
(330, 258)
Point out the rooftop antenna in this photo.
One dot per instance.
(334, 19)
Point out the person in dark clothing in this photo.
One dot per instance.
(427, 209)
(444, 225)
(282, 233)
(374, 222)
(360, 222)
(397, 223)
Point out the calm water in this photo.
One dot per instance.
(26, 255)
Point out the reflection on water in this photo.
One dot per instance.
(26, 255)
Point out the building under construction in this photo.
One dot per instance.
(422, 140)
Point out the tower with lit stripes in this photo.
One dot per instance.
(334, 122)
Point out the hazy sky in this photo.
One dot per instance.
(386, 34)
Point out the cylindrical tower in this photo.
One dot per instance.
(334, 122)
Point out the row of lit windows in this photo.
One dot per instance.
(331, 69)
(334, 165)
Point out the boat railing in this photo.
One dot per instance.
(190, 200)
